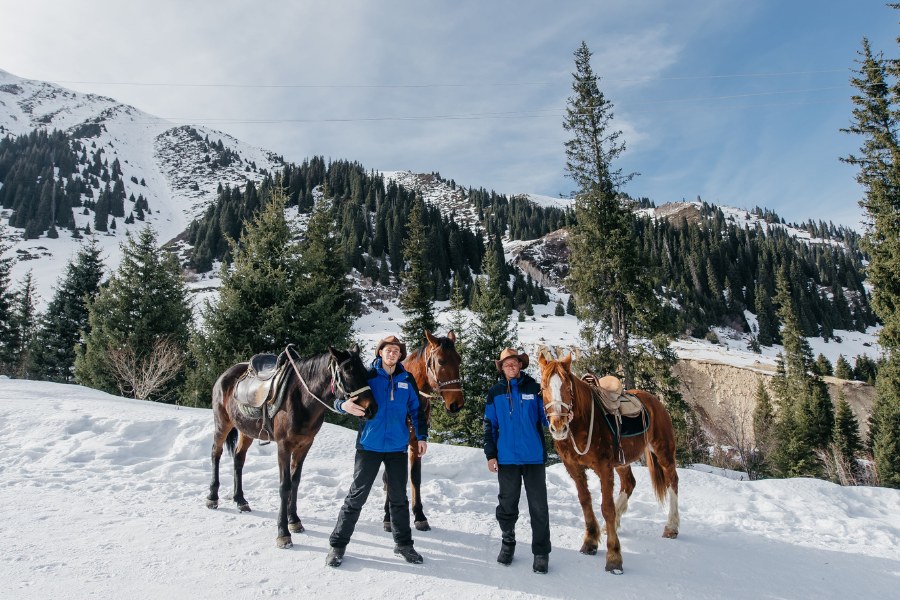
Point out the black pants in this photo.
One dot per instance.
(510, 478)
(365, 470)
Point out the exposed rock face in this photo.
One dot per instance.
(717, 388)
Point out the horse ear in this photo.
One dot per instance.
(567, 362)
(354, 348)
(451, 336)
(332, 351)
(542, 360)
(431, 339)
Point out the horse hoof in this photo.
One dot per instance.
(284, 542)
(244, 507)
(615, 570)
(670, 533)
(387, 526)
(423, 525)
(212, 504)
(296, 527)
(590, 550)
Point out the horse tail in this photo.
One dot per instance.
(231, 441)
(657, 476)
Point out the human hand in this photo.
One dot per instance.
(492, 465)
(351, 407)
(423, 447)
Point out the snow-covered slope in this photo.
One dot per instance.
(104, 498)
(172, 160)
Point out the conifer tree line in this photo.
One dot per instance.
(46, 176)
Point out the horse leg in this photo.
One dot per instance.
(608, 509)
(386, 522)
(222, 432)
(663, 469)
(591, 528)
(299, 455)
(240, 455)
(415, 479)
(626, 487)
(284, 491)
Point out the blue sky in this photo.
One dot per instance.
(738, 102)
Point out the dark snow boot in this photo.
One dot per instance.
(335, 557)
(409, 554)
(506, 554)
(541, 562)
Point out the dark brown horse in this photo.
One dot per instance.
(312, 386)
(435, 367)
(584, 441)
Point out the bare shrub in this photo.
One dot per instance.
(141, 376)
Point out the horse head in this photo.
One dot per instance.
(559, 397)
(442, 363)
(351, 377)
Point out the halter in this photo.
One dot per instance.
(431, 371)
(337, 382)
(557, 405)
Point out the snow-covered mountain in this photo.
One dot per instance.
(174, 166)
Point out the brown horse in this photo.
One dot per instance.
(584, 441)
(435, 367)
(312, 385)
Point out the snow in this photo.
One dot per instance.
(550, 201)
(105, 497)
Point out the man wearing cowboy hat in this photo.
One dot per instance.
(383, 439)
(514, 422)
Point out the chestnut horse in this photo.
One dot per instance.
(584, 441)
(312, 385)
(435, 368)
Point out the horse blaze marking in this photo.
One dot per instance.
(556, 388)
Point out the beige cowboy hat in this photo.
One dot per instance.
(511, 353)
(392, 340)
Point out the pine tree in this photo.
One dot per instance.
(823, 366)
(846, 430)
(614, 298)
(876, 117)
(64, 324)
(24, 324)
(7, 354)
(559, 311)
(842, 368)
(763, 429)
(491, 332)
(416, 295)
(144, 304)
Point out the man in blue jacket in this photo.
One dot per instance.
(383, 439)
(514, 421)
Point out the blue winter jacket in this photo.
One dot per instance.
(398, 398)
(514, 421)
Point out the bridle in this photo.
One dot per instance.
(431, 372)
(337, 382)
(554, 407)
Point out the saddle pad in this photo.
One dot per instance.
(631, 426)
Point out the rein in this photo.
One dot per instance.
(336, 381)
(557, 405)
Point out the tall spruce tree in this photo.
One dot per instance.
(144, 303)
(64, 325)
(614, 296)
(24, 325)
(876, 118)
(416, 295)
(491, 332)
(6, 304)
(846, 430)
(763, 429)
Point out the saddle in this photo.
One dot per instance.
(612, 395)
(624, 413)
(262, 377)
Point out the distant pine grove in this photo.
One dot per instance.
(711, 271)
(714, 270)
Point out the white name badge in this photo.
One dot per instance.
(402, 385)
(527, 396)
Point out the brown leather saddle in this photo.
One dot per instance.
(259, 383)
(611, 392)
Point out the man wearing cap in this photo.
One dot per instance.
(383, 439)
(514, 421)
